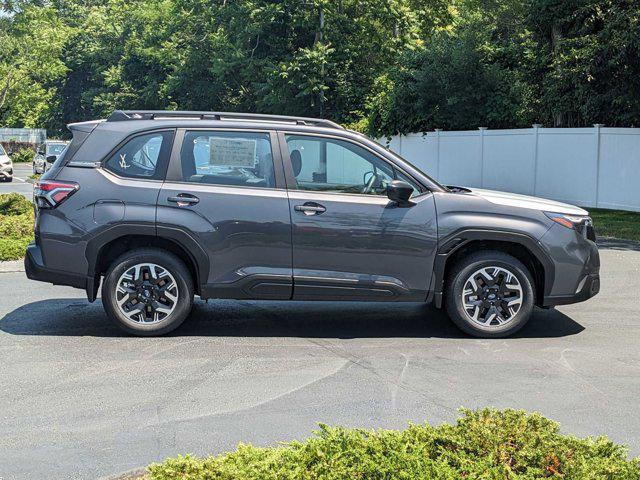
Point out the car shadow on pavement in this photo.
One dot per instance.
(230, 318)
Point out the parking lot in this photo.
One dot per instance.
(81, 400)
(21, 172)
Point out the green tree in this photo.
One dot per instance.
(30, 62)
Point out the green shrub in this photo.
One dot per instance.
(14, 204)
(24, 155)
(13, 248)
(16, 225)
(485, 444)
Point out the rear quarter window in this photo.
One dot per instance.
(143, 156)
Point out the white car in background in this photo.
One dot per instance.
(50, 148)
(6, 166)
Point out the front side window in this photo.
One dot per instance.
(331, 165)
(140, 156)
(241, 159)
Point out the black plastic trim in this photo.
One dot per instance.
(459, 238)
(35, 270)
(590, 289)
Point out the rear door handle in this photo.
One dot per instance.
(184, 199)
(310, 208)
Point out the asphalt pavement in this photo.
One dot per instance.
(80, 400)
(21, 172)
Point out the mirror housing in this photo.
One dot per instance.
(51, 159)
(399, 191)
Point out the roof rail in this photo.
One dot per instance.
(126, 115)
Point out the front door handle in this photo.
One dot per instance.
(310, 208)
(184, 199)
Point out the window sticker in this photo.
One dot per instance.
(232, 152)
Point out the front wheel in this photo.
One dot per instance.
(490, 294)
(148, 292)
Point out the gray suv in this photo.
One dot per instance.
(162, 206)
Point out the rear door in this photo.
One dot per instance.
(349, 241)
(226, 190)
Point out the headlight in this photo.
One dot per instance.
(580, 223)
(570, 221)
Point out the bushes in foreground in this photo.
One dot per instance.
(484, 444)
(16, 225)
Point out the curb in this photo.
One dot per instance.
(12, 266)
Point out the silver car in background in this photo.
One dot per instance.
(6, 166)
(51, 149)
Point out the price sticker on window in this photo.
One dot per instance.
(232, 152)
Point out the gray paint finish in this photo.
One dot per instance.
(255, 243)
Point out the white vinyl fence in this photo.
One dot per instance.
(590, 167)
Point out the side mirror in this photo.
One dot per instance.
(51, 159)
(400, 192)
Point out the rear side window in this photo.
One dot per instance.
(143, 156)
(241, 159)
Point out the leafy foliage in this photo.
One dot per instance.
(382, 66)
(14, 204)
(24, 155)
(487, 444)
(16, 225)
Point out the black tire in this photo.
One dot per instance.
(167, 261)
(457, 278)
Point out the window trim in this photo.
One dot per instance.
(290, 178)
(174, 172)
(163, 157)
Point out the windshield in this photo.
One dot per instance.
(55, 148)
(394, 154)
(2, 152)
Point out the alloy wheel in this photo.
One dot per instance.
(492, 296)
(146, 293)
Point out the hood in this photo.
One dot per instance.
(525, 201)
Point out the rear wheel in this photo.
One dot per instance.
(148, 292)
(490, 294)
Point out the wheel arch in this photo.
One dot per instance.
(102, 250)
(521, 246)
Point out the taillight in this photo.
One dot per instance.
(51, 193)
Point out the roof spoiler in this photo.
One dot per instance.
(127, 115)
(86, 127)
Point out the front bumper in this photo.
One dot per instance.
(6, 171)
(589, 287)
(36, 270)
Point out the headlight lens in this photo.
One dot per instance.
(581, 223)
(570, 221)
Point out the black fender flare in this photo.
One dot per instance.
(175, 234)
(458, 239)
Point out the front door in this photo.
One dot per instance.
(349, 241)
(226, 190)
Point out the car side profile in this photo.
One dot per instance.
(158, 207)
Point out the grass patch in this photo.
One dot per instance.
(616, 223)
(484, 444)
(16, 226)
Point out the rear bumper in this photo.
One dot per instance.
(36, 270)
(589, 287)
